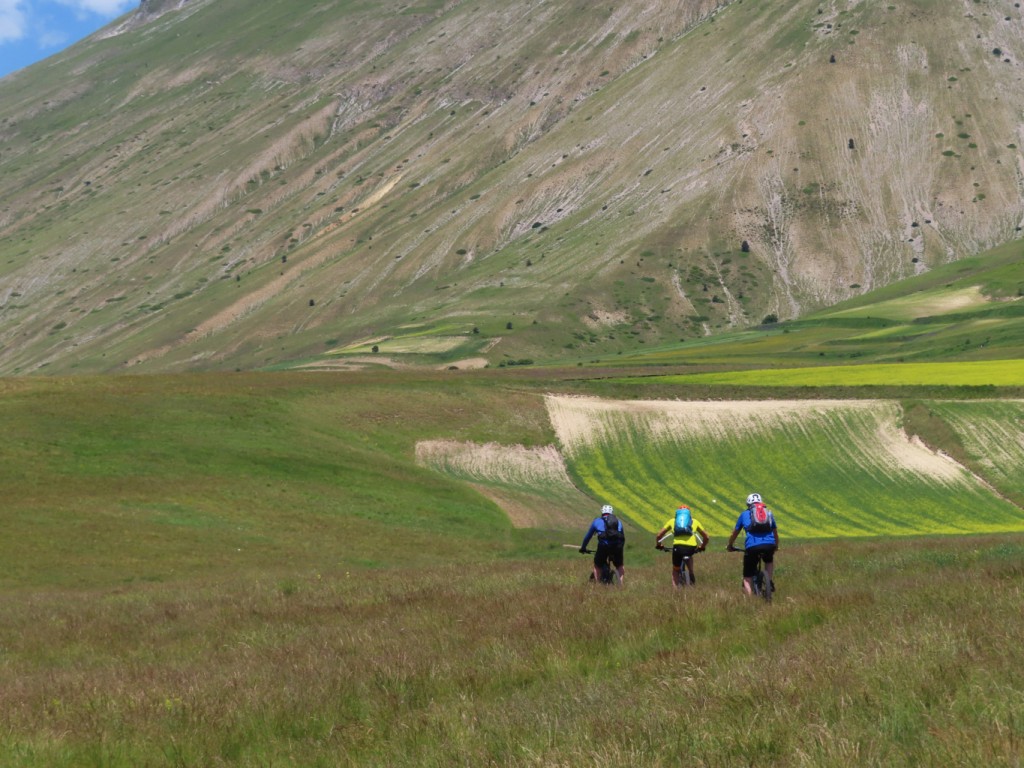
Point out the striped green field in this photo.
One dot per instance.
(828, 468)
(992, 432)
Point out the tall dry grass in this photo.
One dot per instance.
(874, 653)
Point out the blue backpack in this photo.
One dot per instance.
(684, 523)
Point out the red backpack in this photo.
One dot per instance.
(761, 520)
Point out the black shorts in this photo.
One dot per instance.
(606, 552)
(679, 551)
(764, 552)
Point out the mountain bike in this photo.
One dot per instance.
(762, 586)
(609, 575)
(686, 578)
(686, 575)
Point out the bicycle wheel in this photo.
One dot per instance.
(685, 579)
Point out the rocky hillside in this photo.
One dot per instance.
(218, 184)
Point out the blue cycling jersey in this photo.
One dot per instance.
(754, 539)
(597, 527)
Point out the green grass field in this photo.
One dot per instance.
(273, 569)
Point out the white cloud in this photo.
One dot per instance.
(109, 8)
(53, 39)
(12, 20)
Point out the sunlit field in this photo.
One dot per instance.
(999, 373)
(828, 468)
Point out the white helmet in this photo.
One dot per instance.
(754, 498)
(606, 509)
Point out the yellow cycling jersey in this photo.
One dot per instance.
(684, 541)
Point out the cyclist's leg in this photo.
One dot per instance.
(749, 571)
(600, 558)
(617, 558)
(677, 562)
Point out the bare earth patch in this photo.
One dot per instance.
(531, 485)
(465, 365)
(600, 318)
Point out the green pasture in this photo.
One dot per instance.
(828, 469)
(120, 480)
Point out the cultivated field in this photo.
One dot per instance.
(986, 373)
(828, 468)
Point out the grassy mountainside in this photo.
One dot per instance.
(223, 186)
(968, 311)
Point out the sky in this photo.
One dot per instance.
(32, 30)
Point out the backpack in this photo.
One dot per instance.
(761, 520)
(611, 533)
(684, 523)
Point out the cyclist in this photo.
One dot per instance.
(611, 539)
(684, 544)
(762, 539)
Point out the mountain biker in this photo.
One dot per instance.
(683, 546)
(762, 539)
(611, 539)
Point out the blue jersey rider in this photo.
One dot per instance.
(762, 539)
(611, 540)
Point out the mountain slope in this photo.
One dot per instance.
(208, 184)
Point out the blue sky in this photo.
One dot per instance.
(32, 30)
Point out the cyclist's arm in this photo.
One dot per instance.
(704, 536)
(660, 535)
(590, 532)
(732, 539)
(775, 531)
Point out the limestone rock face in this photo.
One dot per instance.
(154, 8)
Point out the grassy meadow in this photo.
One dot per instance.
(872, 654)
(264, 570)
